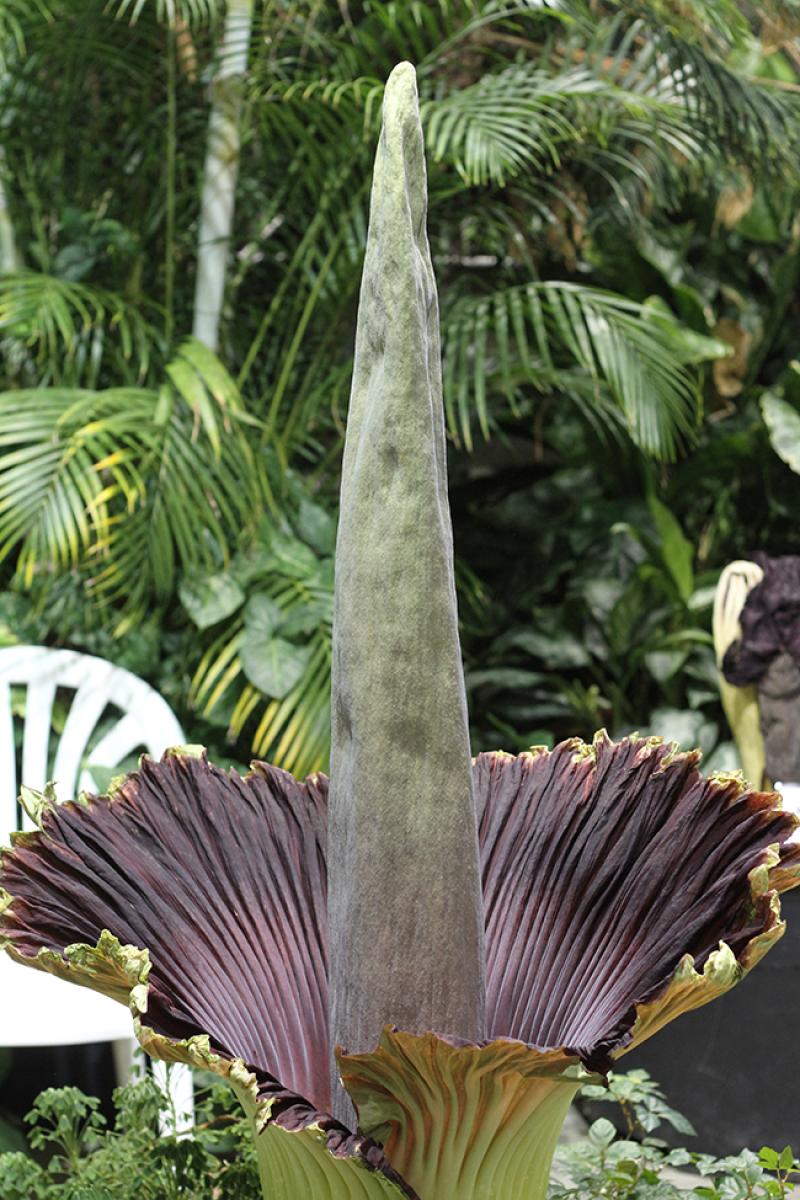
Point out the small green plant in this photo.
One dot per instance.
(76, 1156)
(636, 1165)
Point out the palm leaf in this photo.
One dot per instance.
(170, 11)
(135, 483)
(14, 16)
(68, 328)
(636, 354)
(64, 456)
(205, 485)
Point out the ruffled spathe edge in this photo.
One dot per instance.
(122, 972)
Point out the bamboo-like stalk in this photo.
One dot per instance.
(219, 173)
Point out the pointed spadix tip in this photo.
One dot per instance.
(400, 96)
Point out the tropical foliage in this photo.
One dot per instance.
(612, 224)
(456, 910)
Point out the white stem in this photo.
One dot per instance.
(9, 254)
(219, 174)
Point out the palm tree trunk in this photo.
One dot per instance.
(9, 253)
(219, 174)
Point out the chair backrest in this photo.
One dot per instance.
(109, 714)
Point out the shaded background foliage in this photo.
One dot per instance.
(613, 189)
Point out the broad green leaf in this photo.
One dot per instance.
(305, 618)
(560, 650)
(316, 526)
(723, 758)
(272, 664)
(602, 1132)
(291, 556)
(210, 598)
(783, 423)
(512, 678)
(663, 664)
(676, 551)
(759, 223)
(684, 727)
(262, 614)
(11, 1140)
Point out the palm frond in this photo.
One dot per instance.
(744, 115)
(527, 334)
(727, 113)
(131, 484)
(362, 95)
(14, 15)
(205, 486)
(64, 456)
(67, 328)
(170, 11)
(517, 118)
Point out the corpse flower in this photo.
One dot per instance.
(479, 936)
(757, 631)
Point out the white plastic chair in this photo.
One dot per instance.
(38, 1009)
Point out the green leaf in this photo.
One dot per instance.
(663, 664)
(783, 423)
(602, 1132)
(688, 346)
(676, 551)
(11, 1140)
(305, 618)
(291, 556)
(272, 664)
(316, 526)
(684, 727)
(558, 649)
(759, 223)
(210, 598)
(632, 359)
(262, 614)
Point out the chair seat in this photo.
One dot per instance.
(40, 1010)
